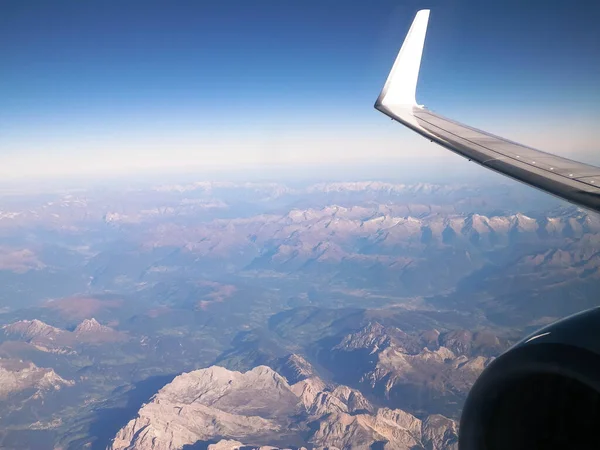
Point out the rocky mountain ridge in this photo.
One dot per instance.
(85, 206)
(385, 225)
(259, 407)
(18, 376)
(92, 326)
(55, 340)
(32, 329)
(402, 368)
(386, 246)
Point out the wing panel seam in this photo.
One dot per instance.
(503, 155)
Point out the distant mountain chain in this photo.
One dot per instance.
(73, 209)
(330, 233)
(280, 189)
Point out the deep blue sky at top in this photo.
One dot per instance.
(80, 80)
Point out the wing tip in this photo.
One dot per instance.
(401, 85)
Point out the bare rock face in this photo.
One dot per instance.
(240, 410)
(341, 400)
(403, 369)
(209, 403)
(344, 431)
(92, 326)
(226, 444)
(372, 337)
(32, 329)
(17, 376)
(430, 339)
(92, 332)
(458, 341)
(439, 432)
(327, 403)
(163, 427)
(296, 368)
(47, 338)
(440, 370)
(308, 390)
(353, 399)
(393, 429)
(375, 337)
(42, 336)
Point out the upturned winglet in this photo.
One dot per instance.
(401, 85)
(571, 180)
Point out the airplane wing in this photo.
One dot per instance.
(573, 181)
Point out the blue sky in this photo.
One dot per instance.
(127, 86)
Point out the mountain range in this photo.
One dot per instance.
(260, 408)
(45, 337)
(428, 371)
(327, 314)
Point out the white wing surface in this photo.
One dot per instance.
(573, 181)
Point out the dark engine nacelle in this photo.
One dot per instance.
(543, 393)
